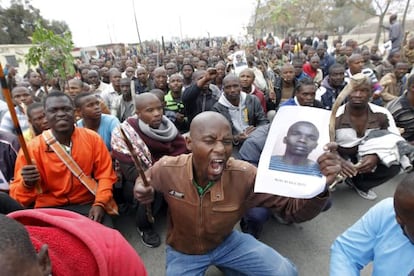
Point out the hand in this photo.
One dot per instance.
(330, 163)
(243, 135)
(211, 74)
(144, 194)
(96, 213)
(249, 130)
(30, 176)
(348, 168)
(179, 117)
(368, 163)
(272, 96)
(376, 96)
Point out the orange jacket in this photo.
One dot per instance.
(59, 185)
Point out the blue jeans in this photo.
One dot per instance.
(238, 254)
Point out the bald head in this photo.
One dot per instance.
(247, 71)
(198, 74)
(404, 196)
(76, 82)
(206, 120)
(160, 70)
(354, 57)
(142, 100)
(230, 77)
(286, 67)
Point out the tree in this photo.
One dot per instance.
(300, 16)
(52, 52)
(17, 24)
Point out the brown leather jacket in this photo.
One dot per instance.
(199, 224)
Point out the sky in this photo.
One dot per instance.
(95, 22)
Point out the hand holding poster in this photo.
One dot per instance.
(288, 164)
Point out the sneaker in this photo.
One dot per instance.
(150, 238)
(370, 194)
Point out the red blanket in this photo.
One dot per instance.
(79, 246)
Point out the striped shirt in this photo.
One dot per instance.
(311, 168)
(7, 123)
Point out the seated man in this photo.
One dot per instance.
(9, 147)
(208, 192)
(59, 242)
(88, 107)
(98, 86)
(37, 120)
(402, 109)
(355, 66)
(394, 82)
(174, 106)
(76, 87)
(201, 95)
(152, 136)
(365, 164)
(59, 187)
(284, 87)
(160, 79)
(125, 106)
(312, 69)
(247, 78)
(297, 63)
(142, 83)
(243, 111)
(21, 98)
(331, 86)
(305, 94)
(383, 236)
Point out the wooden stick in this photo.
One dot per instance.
(138, 166)
(16, 124)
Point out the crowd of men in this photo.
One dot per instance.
(195, 120)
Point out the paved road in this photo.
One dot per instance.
(306, 244)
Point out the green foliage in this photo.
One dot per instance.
(310, 16)
(51, 51)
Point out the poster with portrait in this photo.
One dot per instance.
(239, 61)
(288, 164)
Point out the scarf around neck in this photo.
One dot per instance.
(165, 133)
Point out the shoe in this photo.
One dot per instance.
(370, 194)
(150, 238)
(250, 228)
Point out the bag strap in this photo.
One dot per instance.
(90, 184)
(51, 141)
